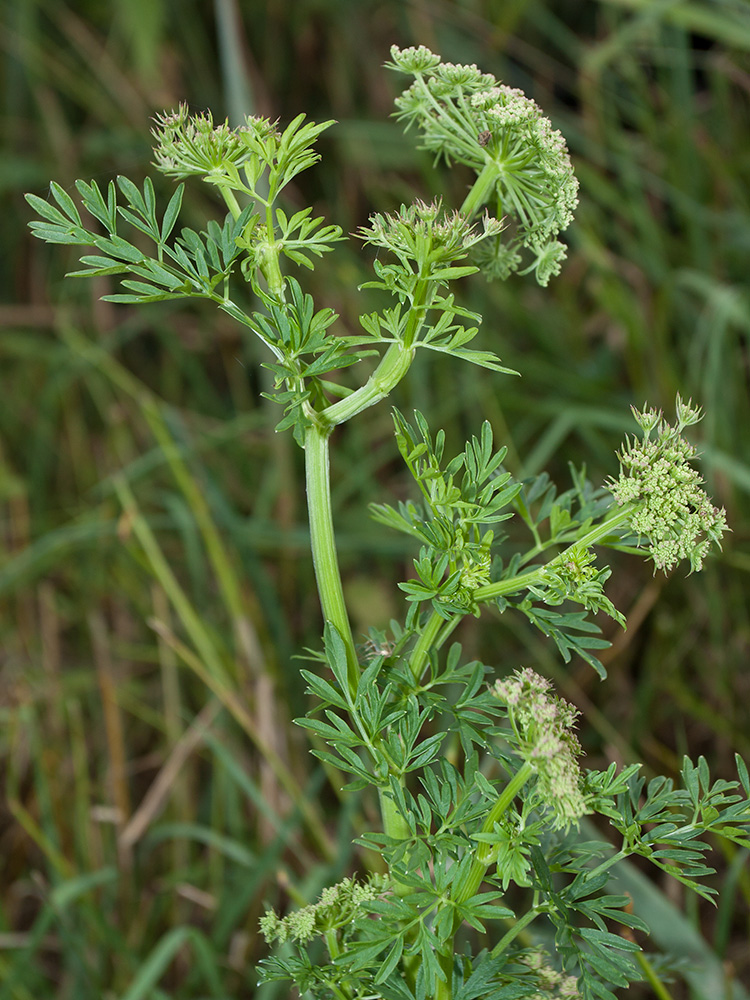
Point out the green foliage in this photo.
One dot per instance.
(460, 829)
(456, 555)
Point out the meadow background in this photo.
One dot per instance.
(155, 583)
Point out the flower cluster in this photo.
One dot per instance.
(574, 576)
(423, 235)
(522, 162)
(671, 510)
(192, 145)
(553, 984)
(543, 725)
(338, 905)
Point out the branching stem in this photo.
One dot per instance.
(486, 852)
(524, 580)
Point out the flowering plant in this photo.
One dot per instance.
(480, 886)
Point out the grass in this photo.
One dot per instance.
(154, 571)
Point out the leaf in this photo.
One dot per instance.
(325, 691)
(122, 299)
(485, 359)
(118, 247)
(59, 234)
(96, 272)
(449, 273)
(47, 211)
(391, 961)
(742, 772)
(93, 201)
(144, 289)
(133, 195)
(156, 272)
(66, 203)
(335, 651)
(143, 226)
(361, 953)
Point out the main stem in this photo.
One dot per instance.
(482, 860)
(323, 544)
(328, 578)
(392, 368)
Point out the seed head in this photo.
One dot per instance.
(424, 235)
(417, 59)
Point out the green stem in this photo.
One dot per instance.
(268, 265)
(394, 824)
(394, 364)
(486, 852)
(323, 544)
(232, 204)
(606, 865)
(524, 580)
(480, 190)
(469, 886)
(444, 990)
(332, 943)
(660, 990)
(519, 926)
(336, 991)
(425, 643)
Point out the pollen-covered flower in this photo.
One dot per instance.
(671, 510)
(543, 725)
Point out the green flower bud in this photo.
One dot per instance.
(417, 59)
(192, 145)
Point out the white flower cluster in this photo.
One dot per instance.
(522, 161)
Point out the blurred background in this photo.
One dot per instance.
(155, 582)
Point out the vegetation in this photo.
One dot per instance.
(155, 520)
